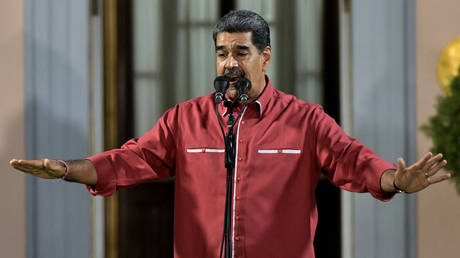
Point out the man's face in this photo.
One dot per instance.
(237, 57)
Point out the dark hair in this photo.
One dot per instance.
(245, 21)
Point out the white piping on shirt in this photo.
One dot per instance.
(215, 150)
(205, 150)
(284, 151)
(260, 108)
(234, 183)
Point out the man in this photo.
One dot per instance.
(282, 144)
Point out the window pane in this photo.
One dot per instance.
(203, 69)
(172, 46)
(309, 50)
(147, 61)
(147, 104)
(147, 29)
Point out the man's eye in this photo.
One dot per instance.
(221, 54)
(242, 54)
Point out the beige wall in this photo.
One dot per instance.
(12, 184)
(437, 22)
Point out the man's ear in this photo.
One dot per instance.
(266, 57)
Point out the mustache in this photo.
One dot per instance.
(234, 72)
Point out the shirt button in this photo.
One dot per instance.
(240, 159)
(238, 179)
(238, 197)
(243, 122)
(237, 213)
(241, 140)
(237, 238)
(237, 217)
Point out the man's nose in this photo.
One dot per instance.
(231, 62)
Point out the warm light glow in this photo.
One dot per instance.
(448, 64)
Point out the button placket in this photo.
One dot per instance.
(236, 193)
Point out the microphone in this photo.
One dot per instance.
(244, 85)
(221, 84)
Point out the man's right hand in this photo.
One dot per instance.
(80, 171)
(44, 168)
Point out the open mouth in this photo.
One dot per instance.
(234, 75)
(234, 79)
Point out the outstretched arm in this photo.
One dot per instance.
(416, 177)
(80, 171)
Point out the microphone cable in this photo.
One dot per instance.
(221, 85)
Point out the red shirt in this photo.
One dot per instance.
(282, 145)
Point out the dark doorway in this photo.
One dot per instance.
(328, 234)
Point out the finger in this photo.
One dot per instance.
(13, 161)
(33, 171)
(43, 164)
(15, 164)
(421, 162)
(436, 168)
(27, 170)
(401, 164)
(28, 166)
(47, 163)
(21, 164)
(437, 179)
(20, 168)
(30, 163)
(433, 161)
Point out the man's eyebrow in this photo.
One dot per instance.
(242, 47)
(239, 47)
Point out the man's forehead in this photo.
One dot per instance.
(233, 39)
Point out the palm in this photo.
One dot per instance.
(44, 168)
(420, 174)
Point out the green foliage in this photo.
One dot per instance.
(444, 130)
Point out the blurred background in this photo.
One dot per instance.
(80, 77)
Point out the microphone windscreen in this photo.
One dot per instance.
(244, 85)
(221, 84)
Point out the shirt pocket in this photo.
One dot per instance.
(285, 160)
(278, 169)
(200, 160)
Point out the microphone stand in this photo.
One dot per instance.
(230, 151)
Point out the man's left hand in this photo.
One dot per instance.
(417, 176)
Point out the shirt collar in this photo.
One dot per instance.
(261, 101)
(265, 96)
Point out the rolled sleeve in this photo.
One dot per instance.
(106, 178)
(373, 182)
(150, 157)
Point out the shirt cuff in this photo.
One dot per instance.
(106, 179)
(375, 187)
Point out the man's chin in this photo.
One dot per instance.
(232, 93)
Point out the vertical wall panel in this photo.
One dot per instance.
(57, 104)
(383, 119)
(12, 127)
